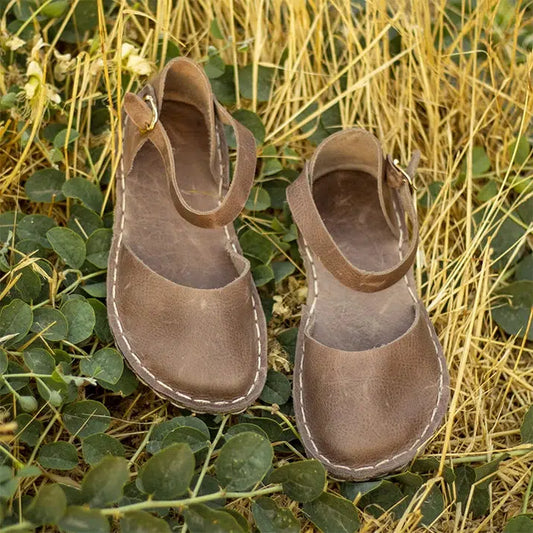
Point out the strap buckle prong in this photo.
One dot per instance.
(155, 114)
(405, 175)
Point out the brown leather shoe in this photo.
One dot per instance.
(182, 303)
(370, 379)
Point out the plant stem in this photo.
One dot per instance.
(491, 457)
(158, 504)
(22, 526)
(528, 493)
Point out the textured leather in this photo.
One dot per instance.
(181, 299)
(370, 379)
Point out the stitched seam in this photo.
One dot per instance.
(426, 429)
(121, 329)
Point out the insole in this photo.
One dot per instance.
(344, 318)
(155, 231)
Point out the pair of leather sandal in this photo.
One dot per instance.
(370, 379)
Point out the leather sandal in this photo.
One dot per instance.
(370, 381)
(182, 303)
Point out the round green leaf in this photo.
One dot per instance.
(48, 506)
(45, 185)
(55, 9)
(80, 318)
(201, 519)
(39, 361)
(164, 428)
(3, 360)
(522, 148)
(15, 322)
(28, 403)
(251, 121)
(61, 138)
(95, 447)
(8, 221)
(262, 274)
(28, 285)
(243, 461)
(98, 245)
(526, 430)
(58, 456)
(29, 429)
(68, 245)
(84, 221)
(126, 385)
(269, 517)
(51, 322)
(85, 418)
(104, 484)
(106, 365)
(168, 473)
(524, 269)
(243, 428)
(85, 191)
(101, 327)
(277, 388)
(259, 199)
(189, 435)
(282, 269)
(332, 514)
(35, 228)
(263, 83)
(511, 312)
(383, 496)
(519, 524)
(82, 520)
(303, 481)
(257, 246)
(480, 161)
(141, 522)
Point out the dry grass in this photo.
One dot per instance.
(432, 96)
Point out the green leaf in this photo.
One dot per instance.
(106, 365)
(45, 186)
(126, 385)
(243, 428)
(35, 228)
(141, 522)
(263, 84)
(224, 87)
(215, 30)
(480, 161)
(85, 191)
(98, 245)
(381, 498)
(28, 403)
(51, 322)
(257, 246)
(519, 524)
(522, 147)
(54, 9)
(58, 455)
(82, 520)
(48, 506)
(161, 431)
(243, 461)
(29, 429)
(15, 321)
(303, 481)
(488, 191)
(214, 67)
(270, 518)
(189, 435)
(526, 430)
(3, 360)
(68, 245)
(465, 477)
(97, 290)
(250, 120)
(288, 340)
(200, 519)
(83, 221)
(95, 447)
(259, 199)
(81, 319)
(332, 514)
(104, 484)
(277, 388)
(262, 274)
(524, 269)
(512, 310)
(39, 361)
(168, 473)
(85, 418)
(61, 138)
(282, 269)
(101, 327)
(270, 161)
(273, 430)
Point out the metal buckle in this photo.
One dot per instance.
(155, 114)
(405, 175)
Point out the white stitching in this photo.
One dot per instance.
(423, 437)
(121, 329)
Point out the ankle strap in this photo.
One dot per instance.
(317, 237)
(143, 112)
